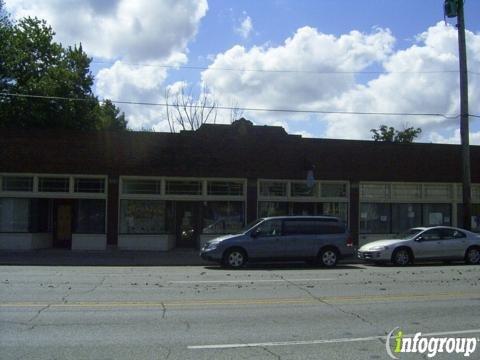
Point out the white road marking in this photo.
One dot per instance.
(242, 281)
(324, 341)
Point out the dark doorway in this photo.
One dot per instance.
(62, 225)
(187, 223)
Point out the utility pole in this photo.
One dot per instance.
(455, 8)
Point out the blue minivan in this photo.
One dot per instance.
(323, 239)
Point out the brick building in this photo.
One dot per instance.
(137, 190)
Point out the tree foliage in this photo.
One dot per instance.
(46, 85)
(389, 134)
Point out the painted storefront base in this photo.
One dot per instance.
(89, 242)
(25, 241)
(162, 242)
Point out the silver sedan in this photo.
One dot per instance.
(425, 243)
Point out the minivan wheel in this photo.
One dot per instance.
(234, 258)
(328, 257)
(472, 256)
(401, 257)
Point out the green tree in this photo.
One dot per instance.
(110, 117)
(389, 134)
(45, 85)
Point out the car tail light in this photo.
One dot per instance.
(350, 241)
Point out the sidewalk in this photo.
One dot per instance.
(109, 257)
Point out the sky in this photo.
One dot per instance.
(321, 58)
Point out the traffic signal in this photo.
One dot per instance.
(451, 8)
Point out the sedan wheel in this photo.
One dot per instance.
(328, 258)
(473, 256)
(401, 257)
(235, 259)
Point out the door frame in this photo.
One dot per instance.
(67, 242)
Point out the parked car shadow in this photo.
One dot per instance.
(286, 266)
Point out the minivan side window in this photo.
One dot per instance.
(312, 227)
(269, 228)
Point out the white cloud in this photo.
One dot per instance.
(137, 30)
(245, 28)
(146, 33)
(307, 49)
(454, 138)
(411, 83)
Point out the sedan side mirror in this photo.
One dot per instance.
(420, 238)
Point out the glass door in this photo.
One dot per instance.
(187, 224)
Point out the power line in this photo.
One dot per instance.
(319, 72)
(322, 112)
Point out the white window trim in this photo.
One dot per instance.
(168, 197)
(55, 195)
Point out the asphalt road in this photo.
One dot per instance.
(263, 312)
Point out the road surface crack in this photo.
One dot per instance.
(38, 313)
(164, 310)
(309, 293)
(272, 353)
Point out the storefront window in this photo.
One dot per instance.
(48, 184)
(174, 187)
(41, 215)
(17, 183)
(224, 188)
(88, 185)
(334, 190)
(142, 187)
(273, 188)
(143, 217)
(337, 209)
(89, 216)
(14, 215)
(271, 208)
(406, 216)
(375, 218)
(302, 189)
(223, 217)
(303, 209)
(437, 214)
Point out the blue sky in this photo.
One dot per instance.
(130, 41)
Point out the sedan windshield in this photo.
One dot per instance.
(409, 233)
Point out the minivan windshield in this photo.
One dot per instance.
(250, 225)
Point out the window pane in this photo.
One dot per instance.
(334, 190)
(269, 228)
(17, 183)
(374, 218)
(405, 216)
(41, 215)
(302, 189)
(224, 188)
(147, 187)
(142, 217)
(337, 209)
(436, 214)
(273, 188)
(223, 217)
(270, 208)
(90, 185)
(89, 217)
(14, 215)
(303, 208)
(183, 188)
(53, 184)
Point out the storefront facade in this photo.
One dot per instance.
(158, 191)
